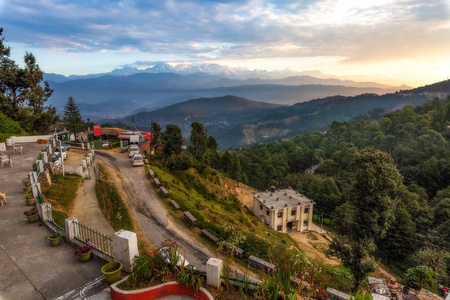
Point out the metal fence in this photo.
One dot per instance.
(58, 218)
(40, 199)
(93, 238)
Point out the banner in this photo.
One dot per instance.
(97, 130)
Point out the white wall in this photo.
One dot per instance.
(30, 139)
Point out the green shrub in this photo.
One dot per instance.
(188, 277)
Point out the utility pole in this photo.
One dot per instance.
(321, 224)
(61, 156)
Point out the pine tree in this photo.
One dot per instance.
(72, 117)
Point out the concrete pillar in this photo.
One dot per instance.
(89, 146)
(121, 144)
(34, 187)
(40, 166)
(33, 177)
(70, 229)
(44, 157)
(46, 212)
(125, 248)
(213, 272)
(82, 145)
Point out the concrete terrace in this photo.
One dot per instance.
(30, 267)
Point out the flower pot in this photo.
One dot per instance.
(54, 241)
(32, 218)
(85, 256)
(111, 271)
(30, 202)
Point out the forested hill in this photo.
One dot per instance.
(318, 114)
(221, 111)
(418, 139)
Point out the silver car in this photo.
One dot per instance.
(137, 160)
(134, 149)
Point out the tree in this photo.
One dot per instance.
(72, 117)
(23, 94)
(199, 140)
(370, 211)
(418, 276)
(172, 140)
(156, 138)
(433, 258)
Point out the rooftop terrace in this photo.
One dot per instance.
(282, 198)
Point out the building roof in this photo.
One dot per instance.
(282, 198)
(112, 131)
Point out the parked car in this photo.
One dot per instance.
(64, 153)
(164, 251)
(65, 146)
(56, 160)
(134, 149)
(137, 160)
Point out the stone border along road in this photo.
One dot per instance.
(149, 212)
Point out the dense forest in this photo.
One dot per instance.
(321, 166)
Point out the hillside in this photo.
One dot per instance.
(225, 111)
(112, 96)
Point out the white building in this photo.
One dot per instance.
(284, 210)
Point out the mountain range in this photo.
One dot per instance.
(129, 90)
(238, 122)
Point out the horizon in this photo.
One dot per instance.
(389, 42)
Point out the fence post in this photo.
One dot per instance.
(33, 177)
(44, 157)
(70, 228)
(34, 187)
(213, 272)
(46, 212)
(125, 248)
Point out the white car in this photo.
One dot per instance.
(64, 152)
(164, 251)
(137, 160)
(134, 149)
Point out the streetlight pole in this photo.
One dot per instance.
(61, 155)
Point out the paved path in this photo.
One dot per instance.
(87, 210)
(30, 267)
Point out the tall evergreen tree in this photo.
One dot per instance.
(22, 93)
(72, 117)
(198, 140)
(172, 141)
(156, 132)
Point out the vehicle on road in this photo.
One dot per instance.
(166, 253)
(134, 149)
(64, 153)
(65, 146)
(137, 160)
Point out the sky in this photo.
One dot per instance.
(401, 41)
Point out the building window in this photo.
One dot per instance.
(305, 223)
(267, 212)
(280, 215)
(260, 207)
(279, 228)
(293, 212)
(306, 210)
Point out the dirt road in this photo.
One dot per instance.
(145, 205)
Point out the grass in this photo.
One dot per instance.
(204, 195)
(111, 204)
(62, 192)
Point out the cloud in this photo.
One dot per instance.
(361, 31)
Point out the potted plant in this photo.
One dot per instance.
(30, 201)
(54, 238)
(111, 271)
(84, 253)
(31, 215)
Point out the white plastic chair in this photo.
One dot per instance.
(17, 147)
(6, 159)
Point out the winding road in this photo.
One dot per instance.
(147, 209)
